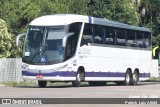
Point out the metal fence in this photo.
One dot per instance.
(10, 69)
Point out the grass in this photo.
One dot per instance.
(34, 83)
(18, 84)
(154, 79)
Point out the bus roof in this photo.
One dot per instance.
(64, 19)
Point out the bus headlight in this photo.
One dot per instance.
(25, 67)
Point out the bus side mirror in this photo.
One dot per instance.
(64, 42)
(18, 37)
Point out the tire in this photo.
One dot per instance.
(135, 78)
(128, 78)
(79, 78)
(42, 84)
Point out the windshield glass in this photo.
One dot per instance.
(43, 45)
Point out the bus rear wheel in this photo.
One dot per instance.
(128, 78)
(79, 78)
(135, 78)
(42, 84)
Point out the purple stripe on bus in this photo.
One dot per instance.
(104, 74)
(87, 74)
(61, 73)
(144, 75)
(90, 19)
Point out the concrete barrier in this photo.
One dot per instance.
(154, 70)
(10, 69)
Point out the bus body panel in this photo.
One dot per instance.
(110, 63)
(101, 62)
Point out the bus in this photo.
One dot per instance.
(77, 48)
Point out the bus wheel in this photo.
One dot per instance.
(128, 78)
(42, 84)
(79, 78)
(135, 78)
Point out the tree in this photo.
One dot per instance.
(117, 10)
(19, 13)
(79, 7)
(150, 17)
(5, 40)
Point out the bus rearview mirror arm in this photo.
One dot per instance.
(64, 42)
(18, 37)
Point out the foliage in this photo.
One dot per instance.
(5, 40)
(151, 18)
(19, 13)
(117, 10)
(79, 7)
(19, 84)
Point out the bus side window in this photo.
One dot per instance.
(140, 43)
(98, 34)
(110, 34)
(72, 40)
(132, 41)
(87, 36)
(147, 37)
(121, 37)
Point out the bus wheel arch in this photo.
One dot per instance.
(135, 77)
(79, 77)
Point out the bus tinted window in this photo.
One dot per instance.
(72, 40)
(121, 37)
(131, 38)
(115, 36)
(88, 34)
(98, 34)
(110, 34)
(147, 37)
(140, 43)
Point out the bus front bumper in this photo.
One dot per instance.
(49, 78)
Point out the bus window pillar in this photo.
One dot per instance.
(115, 37)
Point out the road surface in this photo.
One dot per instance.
(142, 90)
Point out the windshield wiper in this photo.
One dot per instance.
(41, 54)
(36, 52)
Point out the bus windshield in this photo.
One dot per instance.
(43, 45)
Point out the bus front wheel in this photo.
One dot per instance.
(42, 84)
(79, 78)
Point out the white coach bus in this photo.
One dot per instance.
(76, 48)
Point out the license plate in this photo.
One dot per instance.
(39, 76)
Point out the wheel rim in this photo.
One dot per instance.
(135, 77)
(127, 78)
(79, 77)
